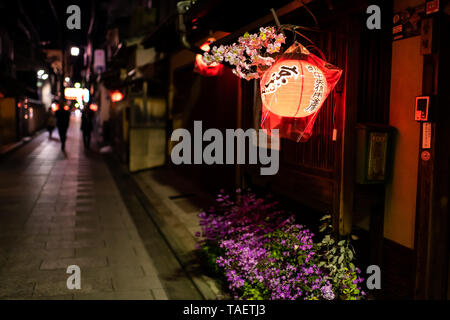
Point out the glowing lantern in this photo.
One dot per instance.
(93, 107)
(293, 90)
(66, 107)
(55, 107)
(202, 68)
(116, 96)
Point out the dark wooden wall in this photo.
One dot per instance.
(213, 101)
(310, 172)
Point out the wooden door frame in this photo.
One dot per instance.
(432, 222)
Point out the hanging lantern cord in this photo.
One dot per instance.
(309, 11)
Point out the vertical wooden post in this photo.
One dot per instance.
(432, 238)
(342, 220)
(377, 224)
(238, 167)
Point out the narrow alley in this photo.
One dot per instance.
(60, 209)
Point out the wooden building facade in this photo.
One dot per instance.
(402, 224)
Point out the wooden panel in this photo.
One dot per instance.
(211, 100)
(397, 268)
(432, 222)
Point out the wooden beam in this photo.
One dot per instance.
(294, 5)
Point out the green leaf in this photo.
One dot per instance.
(341, 243)
(341, 258)
(350, 254)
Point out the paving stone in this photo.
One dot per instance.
(12, 289)
(149, 269)
(79, 261)
(113, 272)
(75, 244)
(25, 265)
(58, 297)
(123, 295)
(58, 210)
(146, 283)
(60, 287)
(159, 294)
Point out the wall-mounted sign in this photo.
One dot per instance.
(426, 135)
(407, 23)
(425, 155)
(373, 153)
(378, 142)
(421, 109)
(432, 6)
(99, 61)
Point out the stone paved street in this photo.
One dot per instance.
(61, 209)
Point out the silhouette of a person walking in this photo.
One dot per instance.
(87, 127)
(62, 122)
(51, 122)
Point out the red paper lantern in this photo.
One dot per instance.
(116, 96)
(293, 88)
(212, 70)
(66, 107)
(93, 107)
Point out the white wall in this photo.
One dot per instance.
(406, 84)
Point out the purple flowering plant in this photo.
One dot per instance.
(263, 254)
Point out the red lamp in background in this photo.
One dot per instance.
(212, 70)
(55, 107)
(116, 96)
(66, 107)
(93, 107)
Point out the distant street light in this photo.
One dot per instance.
(44, 76)
(67, 79)
(74, 51)
(40, 72)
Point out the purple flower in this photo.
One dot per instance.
(327, 292)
